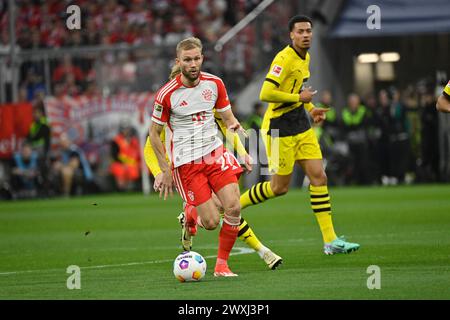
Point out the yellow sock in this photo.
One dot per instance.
(258, 193)
(247, 235)
(320, 203)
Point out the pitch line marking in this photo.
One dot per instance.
(240, 250)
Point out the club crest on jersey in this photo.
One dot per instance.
(276, 70)
(157, 110)
(207, 94)
(191, 195)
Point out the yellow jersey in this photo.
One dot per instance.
(288, 72)
(446, 91)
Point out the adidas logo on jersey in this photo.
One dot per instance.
(183, 103)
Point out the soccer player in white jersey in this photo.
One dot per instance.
(200, 162)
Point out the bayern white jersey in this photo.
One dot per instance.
(188, 112)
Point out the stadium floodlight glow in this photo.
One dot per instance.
(390, 56)
(368, 58)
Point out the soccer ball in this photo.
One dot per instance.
(189, 266)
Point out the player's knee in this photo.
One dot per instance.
(211, 223)
(319, 179)
(233, 210)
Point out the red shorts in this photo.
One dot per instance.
(194, 181)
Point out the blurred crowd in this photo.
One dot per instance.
(389, 137)
(42, 168)
(149, 28)
(386, 138)
(41, 24)
(150, 23)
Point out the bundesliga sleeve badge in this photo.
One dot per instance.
(157, 111)
(276, 70)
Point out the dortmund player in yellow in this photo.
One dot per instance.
(245, 233)
(443, 102)
(288, 136)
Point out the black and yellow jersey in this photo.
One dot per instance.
(288, 74)
(446, 91)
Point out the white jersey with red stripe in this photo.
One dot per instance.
(188, 112)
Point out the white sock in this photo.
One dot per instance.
(262, 251)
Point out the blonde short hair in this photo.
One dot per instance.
(188, 44)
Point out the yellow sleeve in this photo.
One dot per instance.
(308, 106)
(150, 157)
(237, 144)
(270, 93)
(446, 91)
(279, 70)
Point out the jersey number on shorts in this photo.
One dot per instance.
(226, 161)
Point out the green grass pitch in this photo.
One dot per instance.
(125, 245)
